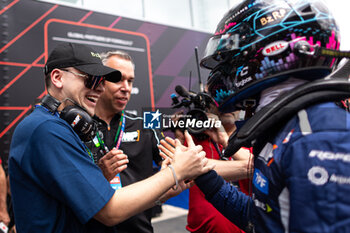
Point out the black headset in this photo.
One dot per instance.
(75, 115)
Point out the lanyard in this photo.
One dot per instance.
(117, 139)
(90, 154)
(116, 182)
(120, 131)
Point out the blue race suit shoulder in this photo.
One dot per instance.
(301, 178)
(293, 187)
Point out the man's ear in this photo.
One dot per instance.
(56, 78)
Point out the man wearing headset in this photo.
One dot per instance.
(55, 184)
(264, 51)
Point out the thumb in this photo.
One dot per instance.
(177, 145)
(165, 163)
(209, 168)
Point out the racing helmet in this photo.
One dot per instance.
(257, 45)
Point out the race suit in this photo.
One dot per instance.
(301, 178)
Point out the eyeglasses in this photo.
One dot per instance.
(90, 81)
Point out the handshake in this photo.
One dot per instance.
(189, 162)
(185, 162)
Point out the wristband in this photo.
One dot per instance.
(175, 178)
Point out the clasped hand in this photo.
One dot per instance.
(189, 161)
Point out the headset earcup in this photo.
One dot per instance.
(81, 122)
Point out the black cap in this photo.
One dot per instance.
(82, 58)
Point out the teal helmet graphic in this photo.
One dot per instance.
(255, 46)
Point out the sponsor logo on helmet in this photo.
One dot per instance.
(276, 15)
(275, 48)
(243, 82)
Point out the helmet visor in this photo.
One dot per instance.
(217, 47)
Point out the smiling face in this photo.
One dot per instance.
(116, 95)
(73, 87)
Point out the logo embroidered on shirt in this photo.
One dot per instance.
(131, 136)
(260, 181)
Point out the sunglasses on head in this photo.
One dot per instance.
(90, 81)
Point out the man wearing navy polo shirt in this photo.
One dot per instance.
(55, 184)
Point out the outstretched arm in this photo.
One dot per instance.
(188, 163)
(233, 204)
(229, 170)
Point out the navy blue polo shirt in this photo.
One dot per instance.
(55, 185)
